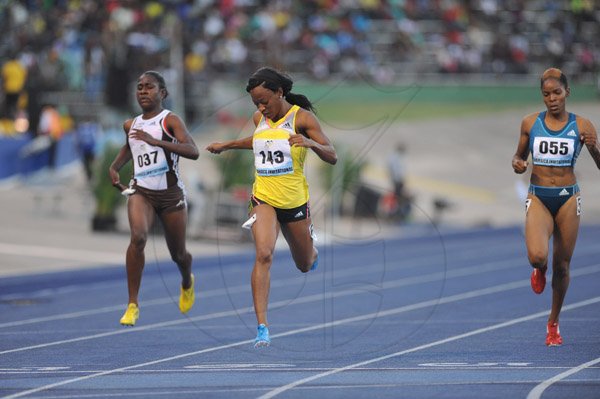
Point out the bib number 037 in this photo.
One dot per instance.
(147, 158)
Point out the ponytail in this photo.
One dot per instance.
(300, 100)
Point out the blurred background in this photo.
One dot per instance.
(423, 100)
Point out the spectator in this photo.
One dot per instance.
(14, 76)
(108, 42)
(88, 133)
(397, 172)
(51, 126)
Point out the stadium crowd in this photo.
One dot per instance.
(99, 47)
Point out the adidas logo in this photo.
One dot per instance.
(299, 215)
(563, 192)
(572, 133)
(286, 125)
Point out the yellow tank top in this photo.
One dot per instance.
(279, 179)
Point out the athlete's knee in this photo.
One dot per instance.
(304, 268)
(264, 257)
(560, 269)
(306, 265)
(538, 259)
(138, 241)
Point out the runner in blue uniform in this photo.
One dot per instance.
(554, 139)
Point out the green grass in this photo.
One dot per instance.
(372, 112)
(364, 104)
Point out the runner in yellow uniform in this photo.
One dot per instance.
(286, 128)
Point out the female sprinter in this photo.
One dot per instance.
(553, 207)
(286, 128)
(154, 141)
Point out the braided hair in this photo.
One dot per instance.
(272, 79)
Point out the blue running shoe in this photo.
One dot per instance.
(315, 265)
(262, 337)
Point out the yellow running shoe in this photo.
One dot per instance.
(131, 315)
(187, 298)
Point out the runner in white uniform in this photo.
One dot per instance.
(155, 141)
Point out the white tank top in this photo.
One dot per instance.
(151, 164)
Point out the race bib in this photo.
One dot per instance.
(273, 157)
(553, 151)
(149, 161)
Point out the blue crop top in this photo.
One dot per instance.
(554, 148)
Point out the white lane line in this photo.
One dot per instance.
(287, 387)
(435, 302)
(277, 391)
(242, 288)
(425, 261)
(325, 296)
(173, 393)
(259, 366)
(286, 302)
(82, 313)
(38, 251)
(539, 389)
(122, 369)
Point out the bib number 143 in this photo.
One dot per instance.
(272, 157)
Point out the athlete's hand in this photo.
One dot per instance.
(114, 177)
(216, 148)
(141, 135)
(519, 165)
(589, 139)
(300, 141)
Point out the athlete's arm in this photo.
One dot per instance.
(120, 160)
(312, 136)
(185, 145)
(589, 137)
(519, 161)
(239, 144)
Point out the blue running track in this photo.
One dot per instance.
(437, 316)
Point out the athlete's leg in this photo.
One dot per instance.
(265, 231)
(297, 234)
(539, 226)
(141, 216)
(565, 237)
(174, 224)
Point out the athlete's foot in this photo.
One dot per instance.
(187, 298)
(553, 337)
(538, 280)
(262, 336)
(131, 315)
